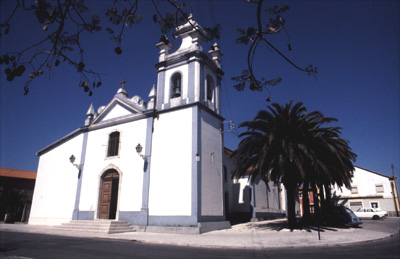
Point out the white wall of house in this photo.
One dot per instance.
(56, 183)
(369, 189)
(241, 195)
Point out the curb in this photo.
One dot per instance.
(259, 246)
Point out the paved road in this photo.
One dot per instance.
(386, 225)
(32, 245)
(19, 245)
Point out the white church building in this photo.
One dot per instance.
(155, 164)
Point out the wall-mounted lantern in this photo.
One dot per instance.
(139, 149)
(72, 160)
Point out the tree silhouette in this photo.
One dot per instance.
(285, 144)
(59, 45)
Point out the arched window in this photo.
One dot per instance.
(210, 88)
(176, 85)
(113, 144)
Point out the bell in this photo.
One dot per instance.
(177, 92)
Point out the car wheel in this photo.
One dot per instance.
(375, 217)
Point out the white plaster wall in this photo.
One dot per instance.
(241, 195)
(366, 184)
(211, 166)
(171, 164)
(117, 111)
(55, 189)
(128, 163)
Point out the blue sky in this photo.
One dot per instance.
(354, 44)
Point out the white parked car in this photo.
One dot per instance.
(368, 213)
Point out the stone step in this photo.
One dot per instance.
(100, 226)
(94, 224)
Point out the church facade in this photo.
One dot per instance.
(152, 164)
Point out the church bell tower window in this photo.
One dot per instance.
(113, 144)
(210, 89)
(176, 85)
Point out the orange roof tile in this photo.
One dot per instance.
(15, 173)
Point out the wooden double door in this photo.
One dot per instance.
(109, 195)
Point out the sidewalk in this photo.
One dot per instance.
(256, 235)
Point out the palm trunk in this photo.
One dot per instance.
(322, 202)
(306, 203)
(316, 203)
(328, 200)
(291, 210)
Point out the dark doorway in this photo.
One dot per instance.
(109, 195)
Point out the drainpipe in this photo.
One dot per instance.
(395, 193)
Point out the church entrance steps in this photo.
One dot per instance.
(99, 226)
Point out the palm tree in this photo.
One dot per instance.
(286, 144)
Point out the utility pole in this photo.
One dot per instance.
(395, 192)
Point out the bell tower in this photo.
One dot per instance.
(186, 184)
(189, 75)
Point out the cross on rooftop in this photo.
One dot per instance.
(123, 81)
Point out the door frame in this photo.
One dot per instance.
(99, 189)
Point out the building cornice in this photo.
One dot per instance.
(184, 106)
(361, 197)
(175, 59)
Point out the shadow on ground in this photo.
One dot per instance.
(282, 225)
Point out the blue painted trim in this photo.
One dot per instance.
(146, 168)
(61, 140)
(160, 89)
(101, 125)
(75, 213)
(117, 121)
(211, 218)
(196, 104)
(191, 83)
(196, 165)
(134, 217)
(172, 221)
(124, 102)
(199, 171)
(85, 215)
(202, 97)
